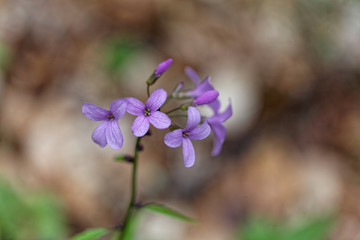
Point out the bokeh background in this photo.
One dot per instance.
(290, 166)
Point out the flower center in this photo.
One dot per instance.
(185, 134)
(110, 117)
(147, 112)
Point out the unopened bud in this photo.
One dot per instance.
(185, 107)
(178, 88)
(160, 69)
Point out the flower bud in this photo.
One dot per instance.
(178, 88)
(207, 97)
(160, 69)
(185, 106)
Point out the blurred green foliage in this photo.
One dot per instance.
(29, 216)
(91, 234)
(310, 229)
(5, 55)
(116, 52)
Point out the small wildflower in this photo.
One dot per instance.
(160, 69)
(148, 113)
(216, 123)
(191, 132)
(201, 87)
(108, 131)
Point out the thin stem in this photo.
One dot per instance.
(132, 201)
(173, 110)
(148, 90)
(167, 100)
(177, 115)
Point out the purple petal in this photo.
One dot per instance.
(156, 99)
(94, 112)
(113, 135)
(207, 97)
(215, 106)
(173, 139)
(192, 75)
(194, 118)
(226, 114)
(162, 67)
(134, 106)
(203, 87)
(159, 120)
(140, 126)
(118, 108)
(200, 132)
(99, 136)
(188, 152)
(219, 131)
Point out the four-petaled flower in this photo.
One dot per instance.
(148, 113)
(201, 87)
(216, 124)
(108, 131)
(191, 132)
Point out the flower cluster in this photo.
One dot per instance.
(197, 128)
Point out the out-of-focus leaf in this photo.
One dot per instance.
(129, 232)
(5, 55)
(91, 234)
(313, 229)
(13, 211)
(117, 52)
(49, 220)
(260, 229)
(29, 216)
(167, 211)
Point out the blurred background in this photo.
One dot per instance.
(290, 165)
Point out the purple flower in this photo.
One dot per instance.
(216, 124)
(108, 131)
(207, 97)
(148, 113)
(201, 87)
(191, 132)
(162, 67)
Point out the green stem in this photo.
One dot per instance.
(167, 100)
(132, 201)
(148, 90)
(177, 115)
(173, 110)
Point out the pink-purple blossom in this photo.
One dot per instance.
(206, 98)
(108, 131)
(216, 123)
(148, 113)
(162, 67)
(191, 132)
(201, 86)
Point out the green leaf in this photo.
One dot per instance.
(91, 234)
(117, 52)
(260, 229)
(48, 217)
(313, 229)
(129, 232)
(167, 211)
(124, 158)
